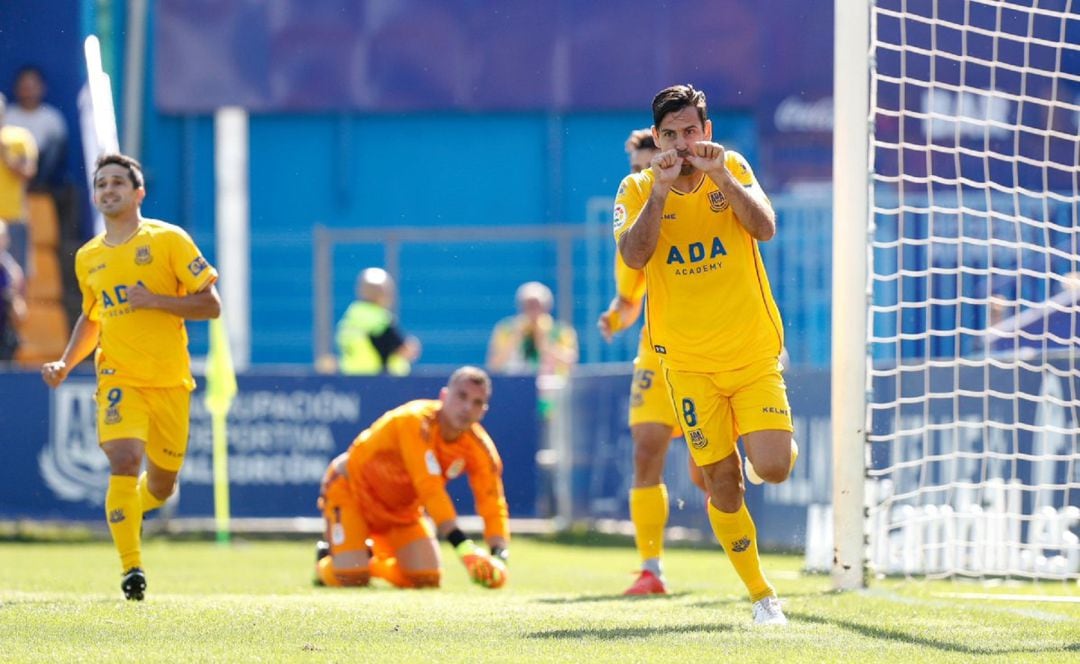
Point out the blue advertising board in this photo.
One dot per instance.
(283, 431)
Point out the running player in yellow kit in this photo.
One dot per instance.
(652, 420)
(140, 280)
(693, 221)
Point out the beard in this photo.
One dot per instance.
(687, 168)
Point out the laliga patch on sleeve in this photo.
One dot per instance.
(619, 215)
(433, 466)
(197, 266)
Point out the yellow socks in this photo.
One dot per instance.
(123, 512)
(149, 500)
(649, 513)
(737, 534)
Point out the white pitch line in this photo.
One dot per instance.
(1012, 598)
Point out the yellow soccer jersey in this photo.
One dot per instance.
(18, 143)
(148, 347)
(629, 283)
(709, 306)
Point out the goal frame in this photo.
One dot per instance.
(851, 231)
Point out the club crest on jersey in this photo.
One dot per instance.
(432, 463)
(717, 202)
(697, 438)
(142, 255)
(455, 468)
(112, 415)
(197, 266)
(619, 215)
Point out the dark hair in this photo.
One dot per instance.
(675, 99)
(640, 139)
(134, 168)
(29, 69)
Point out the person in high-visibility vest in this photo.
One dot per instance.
(369, 339)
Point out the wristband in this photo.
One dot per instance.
(455, 537)
(466, 548)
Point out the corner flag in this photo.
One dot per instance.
(220, 390)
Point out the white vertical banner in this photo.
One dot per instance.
(233, 234)
(97, 116)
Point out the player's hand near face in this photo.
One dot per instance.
(708, 157)
(666, 165)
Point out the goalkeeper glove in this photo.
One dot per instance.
(483, 569)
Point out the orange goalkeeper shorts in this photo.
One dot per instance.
(348, 529)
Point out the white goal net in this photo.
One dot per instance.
(973, 459)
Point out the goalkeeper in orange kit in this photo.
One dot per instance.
(375, 495)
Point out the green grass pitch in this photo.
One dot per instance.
(253, 601)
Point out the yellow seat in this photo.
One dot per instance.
(43, 332)
(44, 222)
(44, 280)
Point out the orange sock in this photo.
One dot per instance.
(387, 569)
(325, 570)
(355, 576)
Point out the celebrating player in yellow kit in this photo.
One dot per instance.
(396, 471)
(652, 419)
(140, 280)
(693, 221)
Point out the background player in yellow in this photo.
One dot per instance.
(396, 471)
(652, 419)
(693, 221)
(140, 280)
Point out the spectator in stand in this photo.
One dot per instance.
(18, 164)
(44, 122)
(532, 341)
(369, 339)
(12, 304)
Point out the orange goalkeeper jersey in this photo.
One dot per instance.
(400, 465)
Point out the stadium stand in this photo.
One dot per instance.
(44, 331)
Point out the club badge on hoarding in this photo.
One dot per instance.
(71, 462)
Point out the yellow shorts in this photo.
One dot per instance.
(348, 530)
(158, 416)
(649, 399)
(717, 408)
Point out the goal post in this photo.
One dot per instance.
(956, 281)
(851, 98)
